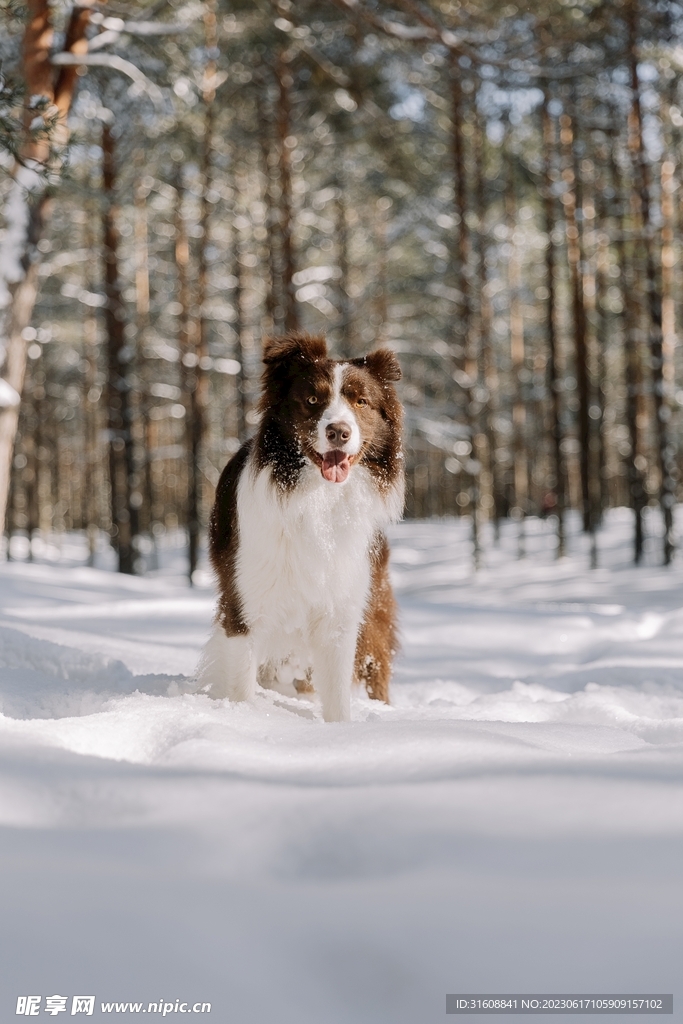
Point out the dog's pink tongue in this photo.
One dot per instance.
(336, 466)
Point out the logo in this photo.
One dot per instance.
(29, 1006)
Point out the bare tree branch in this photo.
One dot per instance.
(116, 63)
(114, 28)
(390, 28)
(142, 28)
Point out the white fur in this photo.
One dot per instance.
(227, 667)
(303, 574)
(337, 411)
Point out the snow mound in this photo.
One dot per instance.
(42, 680)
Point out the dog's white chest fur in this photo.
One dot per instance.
(303, 557)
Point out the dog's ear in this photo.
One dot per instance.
(383, 364)
(295, 345)
(285, 358)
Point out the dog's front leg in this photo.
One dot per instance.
(228, 666)
(333, 658)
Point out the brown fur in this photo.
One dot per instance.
(223, 541)
(378, 639)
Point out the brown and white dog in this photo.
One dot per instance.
(297, 531)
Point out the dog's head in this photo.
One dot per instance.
(338, 413)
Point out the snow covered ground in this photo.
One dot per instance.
(512, 823)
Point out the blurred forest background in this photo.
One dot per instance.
(493, 190)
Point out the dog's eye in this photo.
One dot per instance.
(361, 402)
(312, 400)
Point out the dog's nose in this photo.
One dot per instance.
(338, 434)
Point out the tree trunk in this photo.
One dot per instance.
(602, 340)
(666, 453)
(632, 362)
(462, 341)
(187, 328)
(588, 276)
(29, 433)
(380, 297)
(488, 372)
(274, 303)
(238, 327)
(668, 258)
(553, 364)
(142, 314)
(25, 221)
(578, 314)
(91, 433)
(197, 380)
(121, 455)
(284, 117)
(342, 237)
(517, 358)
